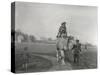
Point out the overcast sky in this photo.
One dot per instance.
(43, 20)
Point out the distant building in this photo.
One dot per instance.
(20, 38)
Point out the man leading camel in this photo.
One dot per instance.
(76, 51)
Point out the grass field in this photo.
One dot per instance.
(88, 58)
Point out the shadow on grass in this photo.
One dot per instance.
(35, 64)
(88, 60)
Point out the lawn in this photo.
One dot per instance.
(88, 58)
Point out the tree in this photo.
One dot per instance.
(32, 38)
(25, 38)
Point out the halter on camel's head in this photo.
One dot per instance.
(70, 37)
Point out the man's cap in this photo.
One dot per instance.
(77, 40)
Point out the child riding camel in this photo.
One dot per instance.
(62, 30)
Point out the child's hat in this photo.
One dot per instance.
(63, 23)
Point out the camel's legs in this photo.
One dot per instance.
(60, 57)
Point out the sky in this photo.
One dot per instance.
(44, 20)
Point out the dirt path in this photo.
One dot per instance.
(56, 66)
